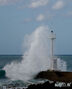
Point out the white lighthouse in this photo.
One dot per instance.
(53, 64)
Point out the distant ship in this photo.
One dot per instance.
(54, 74)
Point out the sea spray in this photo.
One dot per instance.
(36, 57)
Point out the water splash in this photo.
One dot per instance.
(36, 57)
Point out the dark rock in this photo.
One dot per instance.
(55, 76)
(46, 85)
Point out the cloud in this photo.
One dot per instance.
(44, 17)
(40, 17)
(6, 2)
(58, 5)
(38, 3)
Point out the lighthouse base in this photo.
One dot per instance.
(59, 76)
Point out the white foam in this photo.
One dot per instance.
(36, 57)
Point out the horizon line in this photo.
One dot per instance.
(22, 55)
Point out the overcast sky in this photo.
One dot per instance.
(20, 17)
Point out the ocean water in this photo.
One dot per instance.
(7, 59)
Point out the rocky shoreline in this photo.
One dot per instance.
(45, 85)
(64, 79)
(48, 85)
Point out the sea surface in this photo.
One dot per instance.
(7, 59)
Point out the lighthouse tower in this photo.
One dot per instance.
(53, 64)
